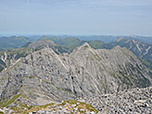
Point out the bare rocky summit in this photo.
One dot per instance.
(131, 101)
(47, 76)
(134, 101)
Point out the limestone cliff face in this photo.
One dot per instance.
(85, 72)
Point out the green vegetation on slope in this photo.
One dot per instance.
(96, 44)
(20, 108)
(13, 42)
(72, 42)
(9, 101)
(1, 112)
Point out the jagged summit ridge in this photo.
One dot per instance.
(47, 75)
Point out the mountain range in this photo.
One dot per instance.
(66, 45)
(52, 70)
(142, 50)
(13, 42)
(46, 75)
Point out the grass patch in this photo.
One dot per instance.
(81, 105)
(9, 101)
(71, 101)
(20, 108)
(1, 112)
(30, 77)
(45, 106)
(36, 108)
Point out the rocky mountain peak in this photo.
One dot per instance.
(47, 75)
(85, 46)
(82, 50)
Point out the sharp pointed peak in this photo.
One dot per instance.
(85, 45)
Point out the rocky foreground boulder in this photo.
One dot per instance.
(45, 76)
(134, 101)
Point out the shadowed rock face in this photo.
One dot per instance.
(83, 73)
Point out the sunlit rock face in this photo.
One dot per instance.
(85, 72)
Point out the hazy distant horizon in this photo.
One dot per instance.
(76, 17)
(73, 35)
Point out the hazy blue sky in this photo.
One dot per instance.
(109, 17)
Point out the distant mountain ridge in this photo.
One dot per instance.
(73, 42)
(53, 70)
(8, 57)
(141, 49)
(143, 39)
(13, 42)
(19, 41)
(66, 45)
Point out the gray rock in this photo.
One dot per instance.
(50, 77)
(134, 101)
